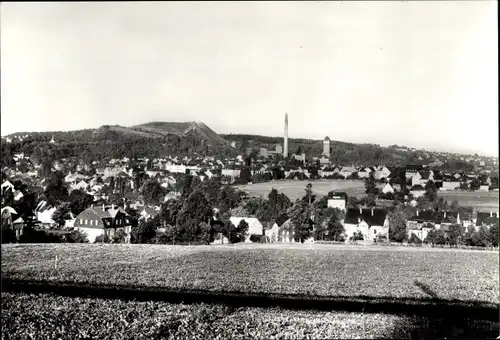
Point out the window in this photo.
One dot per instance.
(86, 222)
(374, 231)
(81, 221)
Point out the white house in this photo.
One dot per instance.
(370, 222)
(484, 188)
(417, 191)
(44, 214)
(337, 202)
(448, 185)
(7, 186)
(388, 189)
(382, 172)
(254, 226)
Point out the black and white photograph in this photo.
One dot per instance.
(249, 170)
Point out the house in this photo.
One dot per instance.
(44, 213)
(338, 200)
(450, 185)
(422, 177)
(388, 189)
(484, 188)
(254, 226)
(347, 171)
(97, 221)
(6, 186)
(18, 195)
(370, 222)
(272, 233)
(417, 191)
(382, 172)
(436, 219)
(8, 214)
(411, 170)
(18, 226)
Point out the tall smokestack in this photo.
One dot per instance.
(285, 142)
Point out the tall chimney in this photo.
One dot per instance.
(285, 142)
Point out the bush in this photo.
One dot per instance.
(119, 236)
(77, 236)
(255, 238)
(381, 239)
(414, 239)
(102, 239)
(8, 236)
(357, 237)
(31, 235)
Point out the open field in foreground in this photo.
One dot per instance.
(258, 291)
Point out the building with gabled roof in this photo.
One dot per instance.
(371, 222)
(105, 220)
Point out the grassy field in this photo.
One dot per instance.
(262, 291)
(481, 201)
(295, 189)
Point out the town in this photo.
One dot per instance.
(209, 200)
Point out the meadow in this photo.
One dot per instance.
(260, 291)
(295, 189)
(480, 201)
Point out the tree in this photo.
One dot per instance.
(119, 236)
(76, 236)
(144, 232)
(56, 191)
(431, 192)
(475, 184)
(153, 193)
(371, 185)
(300, 214)
(62, 214)
(309, 196)
(196, 209)
(436, 236)
(104, 238)
(111, 185)
(79, 201)
(397, 226)
(494, 233)
(238, 234)
(245, 175)
(454, 234)
(335, 229)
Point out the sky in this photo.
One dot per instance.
(420, 74)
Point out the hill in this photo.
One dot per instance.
(152, 139)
